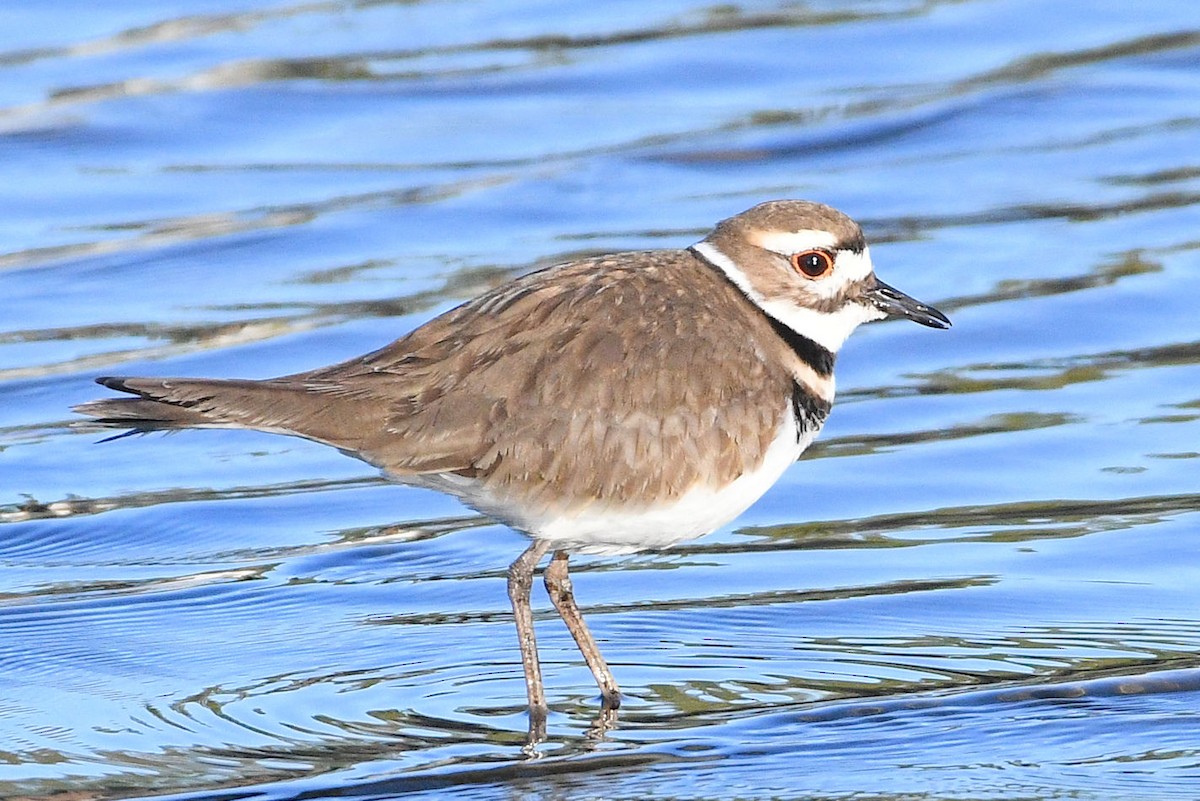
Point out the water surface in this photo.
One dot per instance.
(980, 583)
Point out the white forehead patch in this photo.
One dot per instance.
(849, 268)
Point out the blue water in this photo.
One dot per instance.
(981, 583)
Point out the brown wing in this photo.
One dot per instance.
(598, 378)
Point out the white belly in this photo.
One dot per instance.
(698, 512)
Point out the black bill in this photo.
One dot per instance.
(896, 304)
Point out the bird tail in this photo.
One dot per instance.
(171, 403)
(352, 419)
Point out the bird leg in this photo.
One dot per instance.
(558, 585)
(520, 582)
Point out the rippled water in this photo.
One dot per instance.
(982, 583)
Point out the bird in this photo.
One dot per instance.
(611, 404)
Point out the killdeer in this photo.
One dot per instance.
(611, 404)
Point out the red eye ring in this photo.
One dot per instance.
(813, 263)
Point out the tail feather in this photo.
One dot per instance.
(356, 419)
(363, 416)
(171, 403)
(161, 403)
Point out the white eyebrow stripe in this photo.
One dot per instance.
(850, 266)
(785, 243)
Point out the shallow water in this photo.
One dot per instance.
(980, 583)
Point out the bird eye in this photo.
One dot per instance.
(813, 263)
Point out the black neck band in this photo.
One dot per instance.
(818, 357)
